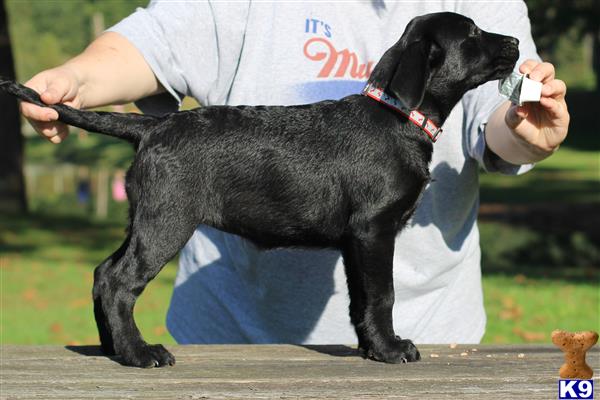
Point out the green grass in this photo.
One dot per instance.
(569, 176)
(46, 279)
(520, 309)
(46, 273)
(534, 283)
(541, 269)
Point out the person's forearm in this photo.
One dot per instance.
(507, 145)
(112, 71)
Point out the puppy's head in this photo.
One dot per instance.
(443, 55)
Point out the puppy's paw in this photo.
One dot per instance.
(147, 356)
(396, 352)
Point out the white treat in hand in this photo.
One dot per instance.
(520, 89)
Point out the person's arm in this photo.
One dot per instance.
(527, 134)
(109, 71)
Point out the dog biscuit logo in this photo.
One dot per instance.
(575, 389)
(575, 346)
(576, 373)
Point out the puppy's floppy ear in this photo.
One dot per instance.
(413, 70)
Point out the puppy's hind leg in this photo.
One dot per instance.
(368, 258)
(106, 341)
(157, 233)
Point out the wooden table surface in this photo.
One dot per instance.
(286, 371)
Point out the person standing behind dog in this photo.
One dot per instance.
(226, 290)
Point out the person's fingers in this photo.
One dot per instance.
(538, 71)
(58, 90)
(515, 115)
(51, 129)
(36, 113)
(59, 138)
(54, 87)
(543, 72)
(33, 112)
(528, 66)
(555, 109)
(42, 119)
(556, 89)
(52, 95)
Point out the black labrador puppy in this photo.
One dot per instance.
(341, 174)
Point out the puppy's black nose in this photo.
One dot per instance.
(510, 48)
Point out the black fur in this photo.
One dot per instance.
(341, 174)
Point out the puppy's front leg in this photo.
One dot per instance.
(368, 259)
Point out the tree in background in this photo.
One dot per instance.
(552, 19)
(12, 187)
(45, 34)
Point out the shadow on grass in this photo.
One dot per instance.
(540, 243)
(541, 185)
(546, 241)
(43, 236)
(544, 224)
(584, 126)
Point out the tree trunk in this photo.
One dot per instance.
(12, 184)
(596, 58)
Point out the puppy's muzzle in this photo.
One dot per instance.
(509, 49)
(505, 50)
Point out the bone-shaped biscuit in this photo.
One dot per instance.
(575, 345)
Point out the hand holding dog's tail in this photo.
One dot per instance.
(127, 126)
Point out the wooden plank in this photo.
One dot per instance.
(284, 371)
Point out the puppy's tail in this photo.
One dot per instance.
(127, 126)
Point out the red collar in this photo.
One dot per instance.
(427, 125)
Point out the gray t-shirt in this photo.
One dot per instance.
(244, 52)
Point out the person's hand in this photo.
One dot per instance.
(56, 85)
(543, 125)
